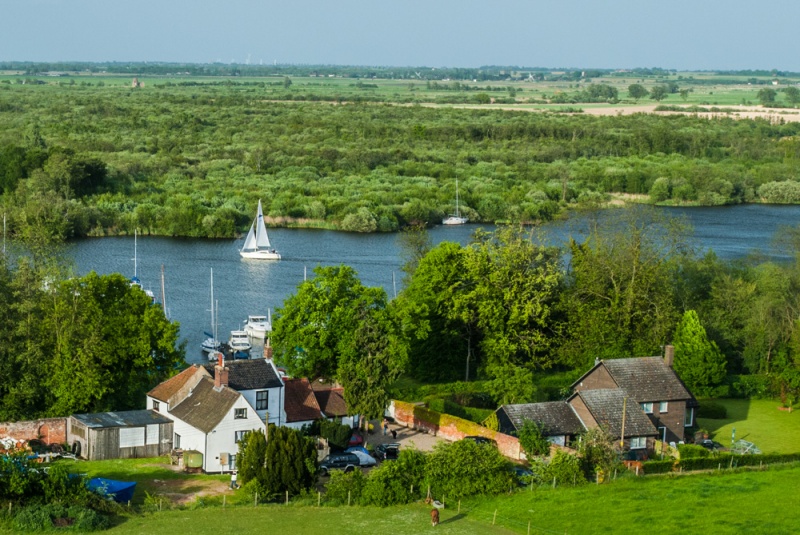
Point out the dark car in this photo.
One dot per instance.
(480, 440)
(711, 445)
(338, 461)
(386, 452)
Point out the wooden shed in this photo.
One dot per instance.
(119, 435)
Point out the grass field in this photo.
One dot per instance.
(758, 421)
(720, 503)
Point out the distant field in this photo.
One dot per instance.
(758, 421)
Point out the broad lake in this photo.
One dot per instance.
(244, 287)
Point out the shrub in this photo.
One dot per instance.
(341, 485)
(565, 469)
(391, 483)
(531, 439)
(464, 468)
(692, 451)
(45, 517)
(754, 386)
(712, 409)
(659, 467)
(338, 435)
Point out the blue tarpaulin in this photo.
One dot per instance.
(120, 491)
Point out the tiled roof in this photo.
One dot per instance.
(205, 408)
(331, 402)
(557, 417)
(121, 419)
(647, 379)
(170, 387)
(252, 374)
(299, 402)
(606, 404)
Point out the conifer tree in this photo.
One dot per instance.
(698, 360)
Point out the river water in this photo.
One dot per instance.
(244, 287)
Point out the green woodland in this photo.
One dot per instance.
(192, 156)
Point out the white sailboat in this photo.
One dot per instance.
(456, 218)
(211, 344)
(256, 245)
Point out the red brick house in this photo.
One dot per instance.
(651, 383)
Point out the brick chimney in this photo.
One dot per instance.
(669, 355)
(220, 373)
(268, 350)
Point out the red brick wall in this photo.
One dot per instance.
(49, 430)
(450, 427)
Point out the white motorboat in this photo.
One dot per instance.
(456, 218)
(239, 341)
(256, 245)
(211, 344)
(258, 326)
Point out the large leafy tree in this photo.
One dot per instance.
(334, 327)
(698, 361)
(464, 468)
(620, 299)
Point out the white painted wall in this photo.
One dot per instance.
(191, 438)
(274, 404)
(223, 438)
(162, 406)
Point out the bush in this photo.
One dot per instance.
(692, 451)
(391, 483)
(712, 409)
(531, 439)
(566, 469)
(338, 435)
(464, 468)
(754, 387)
(45, 517)
(659, 467)
(343, 485)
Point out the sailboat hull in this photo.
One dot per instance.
(454, 220)
(260, 255)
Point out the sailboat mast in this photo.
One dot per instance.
(163, 293)
(458, 214)
(134, 253)
(213, 317)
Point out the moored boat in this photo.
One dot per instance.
(256, 245)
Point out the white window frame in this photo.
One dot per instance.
(238, 435)
(240, 414)
(690, 413)
(647, 407)
(156, 405)
(176, 443)
(638, 443)
(663, 407)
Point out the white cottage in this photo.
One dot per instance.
(212, 419)
(260, 383)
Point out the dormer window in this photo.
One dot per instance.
(647, 407)
(156, 405)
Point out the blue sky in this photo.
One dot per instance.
(681, 34)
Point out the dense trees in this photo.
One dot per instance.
(71, 345)
(698, 360)
(285, 462)
(192, 160)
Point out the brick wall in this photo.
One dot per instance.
(48, 430)
(450, 427)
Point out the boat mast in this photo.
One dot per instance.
(134, 253)
(213, 318)
(457, 212)
(4, 233)
(163, 293)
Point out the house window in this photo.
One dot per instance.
(688, 419)
(262, 398)
(155, 405)
(638, 443)
(231, 462)
(176, 443)
(647, 407)
(662, 406)
(240, 414)
(239, 436)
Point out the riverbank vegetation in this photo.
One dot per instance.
(88, 155)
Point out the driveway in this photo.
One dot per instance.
(407, 437)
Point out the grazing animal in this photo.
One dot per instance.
(434, 517)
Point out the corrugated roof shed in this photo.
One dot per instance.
(121, 419)
(252, 374)
(557, 417)
(300, 403)
(606, 404)
(205, 408)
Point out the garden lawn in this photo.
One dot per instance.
(758, 421)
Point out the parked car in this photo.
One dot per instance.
(480, 440)
(339, 461)
(364, 458)
(387, 452)
(523, 475)
(711, 445)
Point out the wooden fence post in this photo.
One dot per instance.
(255, 499)
(287, 497)
(494, 517)
(223, 501)
(348, 497)
(319, 498)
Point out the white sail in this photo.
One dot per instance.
(257, 245)
(262, 240)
